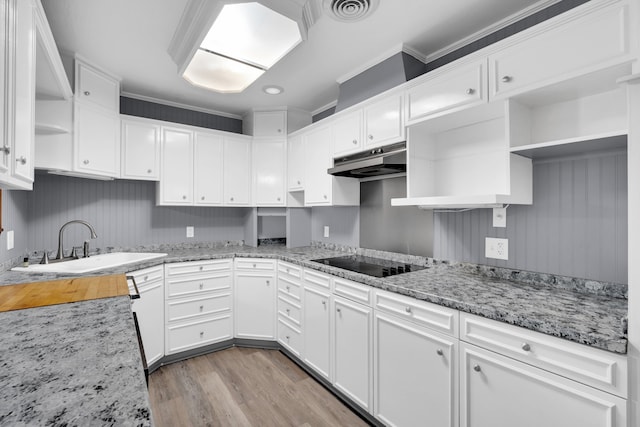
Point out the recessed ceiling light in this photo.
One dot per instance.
(273, 90)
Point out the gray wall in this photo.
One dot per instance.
(14, 217)
(123, 213)
(343, 222)
(577, 225)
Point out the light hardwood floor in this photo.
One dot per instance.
(243, 387)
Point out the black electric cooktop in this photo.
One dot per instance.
(375, 267)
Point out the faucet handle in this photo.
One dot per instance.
(74, 253)
(45, 258)
(85, 249)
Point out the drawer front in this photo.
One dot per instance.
(441, 319)
(255, 264)
(289, 310)
(598, 368)
(148, 278)
(290, 288)
(197, 267)
(562, 53)
(462, 86)
(290, 337)
(190, 286)
(353, 291)
(289, 270)
(317, 278)
(194, 307)
(185, 336)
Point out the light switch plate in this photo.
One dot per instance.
(496, 248)
(190, 231)
(9, 239)
(500, 217)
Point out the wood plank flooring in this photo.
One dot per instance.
(243, 387)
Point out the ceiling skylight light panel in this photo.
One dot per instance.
(219, 73)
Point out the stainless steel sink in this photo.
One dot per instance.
(93, 263)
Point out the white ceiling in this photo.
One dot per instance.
(129, 38)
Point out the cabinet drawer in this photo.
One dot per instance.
(290, 288)
(254, 264)
(562, 53)
(198, 333)
(353, 291)
(290, 337)
(196, 267)
(148, 278)
(289, 270)
(598, 368)
(318, 279)
(464, 85)
(96, 87)
(289, 310)
(194, 307)
(433, 316)
(189, 285)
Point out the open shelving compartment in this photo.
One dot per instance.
(463, 160)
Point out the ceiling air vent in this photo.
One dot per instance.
(350, 10)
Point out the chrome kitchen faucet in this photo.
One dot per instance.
(60, 254)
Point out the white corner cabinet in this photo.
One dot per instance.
(150, 310)
(269, 166)
(255, 298)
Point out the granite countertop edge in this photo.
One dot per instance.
(444, 285)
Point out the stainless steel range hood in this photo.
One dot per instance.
(388, 160)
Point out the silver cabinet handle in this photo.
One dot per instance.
(325, 196)
(201, 334)
(439, 352)
(184, 197)
(201, 308)
(371, 137)
(279, 130)
(146, 278)
(22, 160)
(288, 289)
(288, 311)
(254, 266)
(87, 93)
(202, 198)
(471, 91)
(268, 283)
(201, 286)
(506, 79)
(231, 199)
(339, 310)
(477, 368)
(86, 162)
(355, 142)
(201, 268)
(287, 337)
(278, 198)
(6, 150)
(407, 309)
(324, 303)
(298, 182)
(148, 170)
(526, 347)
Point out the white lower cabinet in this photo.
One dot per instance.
(497, 391)
(415, 374)
(317, 331)
(198, 304)
(149, 309)
(255, 299)
(289, 304)
(353, 350)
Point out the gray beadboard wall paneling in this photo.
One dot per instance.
(14, 217)
(343, 222)
(577, 225)
(123, 213)
(152, 110)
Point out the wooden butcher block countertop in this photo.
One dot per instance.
(39, 294)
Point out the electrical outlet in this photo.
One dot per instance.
(500, 217)
(496, 248)
(190, 231)
(326, 231)
(9, 239)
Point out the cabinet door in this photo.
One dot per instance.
(95, 87)
(455, 88)
(150, 311)
(176, 179)
(96, 140)
(599, 40)
(255, 306)
(295, 164)
(497, 391)
(270, 123)
(415, 374)
(237, 171)
(318, 159)
(317, 331)
(208, 169)
(352, 350)
(268, 172)
(347, 134)
(140, 150)
(384, 123)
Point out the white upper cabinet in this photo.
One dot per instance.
(384, 122)
(17, 95)
(208, 167)
(95, 87)
(269, 168)
(140, 149)
(270, 123)
(295, 163)
(447, 90)
(176, 181)
(237, 170)
(599, 40)
(347, 134)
